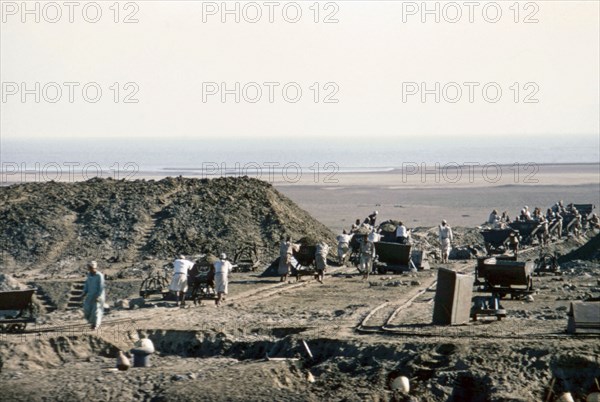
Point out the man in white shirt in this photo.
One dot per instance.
(179, 282)
(401, 233)
(343, 246)
(222, 270)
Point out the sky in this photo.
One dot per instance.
(363, 69)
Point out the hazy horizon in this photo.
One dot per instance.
(359, 154)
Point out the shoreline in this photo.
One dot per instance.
(413, 177)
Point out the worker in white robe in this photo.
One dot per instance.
(286, 252)
(222, 270)
(493, 218)
(445, 237)
(321, 260)
(93, 292)
(179, 282)
(367, 253)
(343, 248)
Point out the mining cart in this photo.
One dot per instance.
(547, 263)
(305, 260)
(495, 239)
(16, 310)
(481, 265)
(502, 277)
(527, 230)
(394, 257)
(247, 258)
(585, 210)
(201, 280)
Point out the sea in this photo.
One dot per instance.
(196, 156)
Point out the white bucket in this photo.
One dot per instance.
(401, 384)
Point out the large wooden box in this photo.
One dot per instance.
(452, 298)
(584, 318)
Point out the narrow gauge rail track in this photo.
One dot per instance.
(365, 328)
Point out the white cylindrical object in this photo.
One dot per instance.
(401, 384)
(566, 397)
(145, 343)
(593, 397)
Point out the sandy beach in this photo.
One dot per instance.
(420, 201)
(338, 208)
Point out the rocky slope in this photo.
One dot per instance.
(118, 221)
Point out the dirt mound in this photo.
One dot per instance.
(590, 251)
(58, 224)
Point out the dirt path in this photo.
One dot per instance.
(57, 251)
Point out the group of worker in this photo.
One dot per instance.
(94, 287)
(551, 221)
(367, 242)
(94, 293)
(181, 270)
(286, 254)
(367, 248)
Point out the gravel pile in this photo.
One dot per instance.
(116, 221)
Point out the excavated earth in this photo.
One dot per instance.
(131, 225)
(359, 334)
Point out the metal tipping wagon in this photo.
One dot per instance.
(390, 255)
(584, 209)
(305, 260)
(16, 310)
(547, 263)
(481, 265)
(495, 239)
(394, 257)
(502, 277)
(527, 230)
(569, 216)
(509, 277)
(247, 257)
(201, 280)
